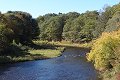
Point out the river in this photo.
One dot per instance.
(72, 65)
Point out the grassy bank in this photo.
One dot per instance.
(47, 53)
(40, 50)
(24, 53)
(31, 55)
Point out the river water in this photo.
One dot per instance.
(72, 65)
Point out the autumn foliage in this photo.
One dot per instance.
(105, 52)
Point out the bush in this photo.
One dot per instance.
(104, 53)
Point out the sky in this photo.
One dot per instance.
(42, 7)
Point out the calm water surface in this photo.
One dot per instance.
(72, 65)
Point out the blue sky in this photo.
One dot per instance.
(41, 7)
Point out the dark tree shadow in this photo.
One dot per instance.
(14, 51)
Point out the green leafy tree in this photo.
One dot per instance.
(6, 37)
(71, 29)
(52, 30)
(81, 28)
(23, 25)
(105, 16)
(113, 23)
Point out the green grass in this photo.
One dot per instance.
(64, 44)
(49, 53)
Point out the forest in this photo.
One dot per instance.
(19, 31)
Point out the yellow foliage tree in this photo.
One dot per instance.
(103, 52)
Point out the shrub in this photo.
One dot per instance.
(104, 52)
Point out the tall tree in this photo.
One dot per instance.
(113, 23)
(23, 25)
(6, 36)
(52, 29)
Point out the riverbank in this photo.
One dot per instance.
(70, 66)
(31, 55)
(64, 44)
(41, 50)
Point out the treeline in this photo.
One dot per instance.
(72, 26)
(78, 27)
(20, 27)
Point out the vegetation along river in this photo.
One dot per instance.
(72, 65)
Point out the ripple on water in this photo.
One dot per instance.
(71, 66)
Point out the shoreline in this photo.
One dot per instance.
(42, 54)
